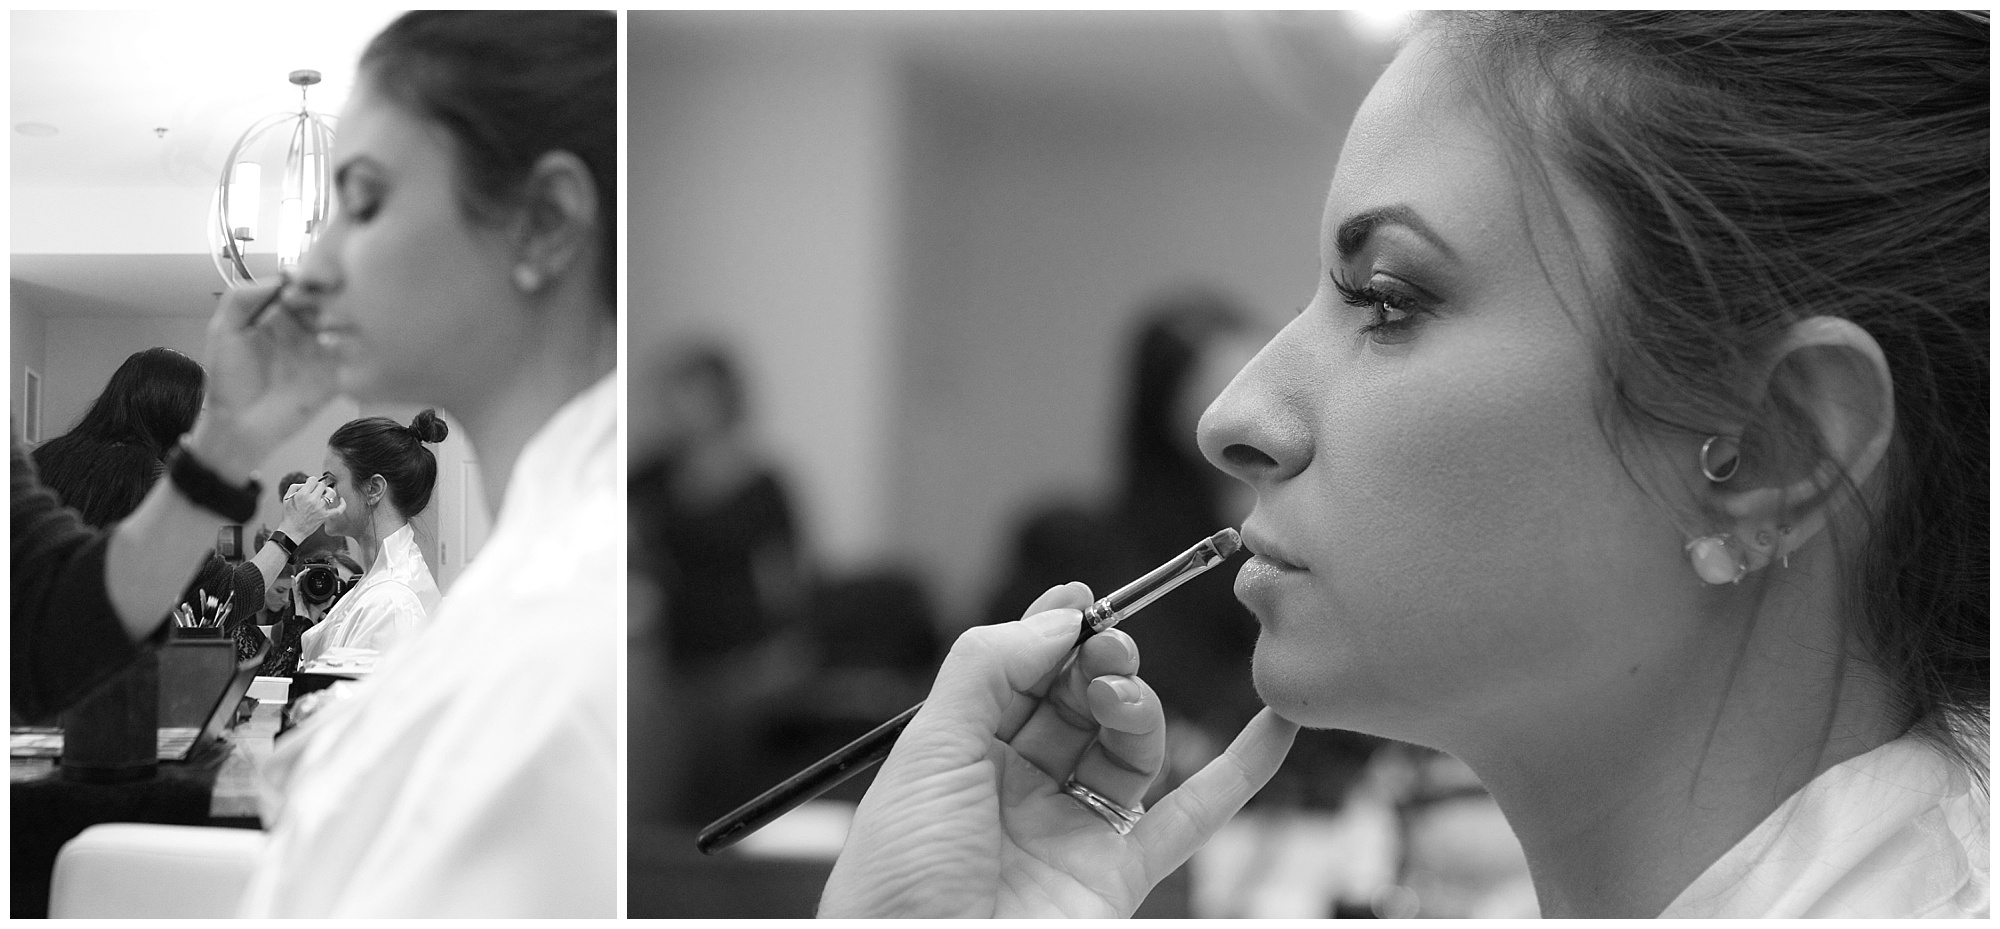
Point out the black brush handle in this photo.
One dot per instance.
(821, 777)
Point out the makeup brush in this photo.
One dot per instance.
(824, 774)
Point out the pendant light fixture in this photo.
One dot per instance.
(304, 189)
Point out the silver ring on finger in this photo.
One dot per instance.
(1121, 819)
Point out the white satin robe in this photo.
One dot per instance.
(1896, 832)
(394, 598)
(476, 773)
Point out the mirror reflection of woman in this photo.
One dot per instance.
(382, 477)
(471, 266)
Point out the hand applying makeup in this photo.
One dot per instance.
(968, 816)
(307, 507)
(267, 375)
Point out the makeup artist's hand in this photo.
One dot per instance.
(306, 508)
(967, 817)
(264, 382)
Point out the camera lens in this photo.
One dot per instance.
(318, 583)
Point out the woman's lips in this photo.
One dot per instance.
(1260, 578)
(1262, 549)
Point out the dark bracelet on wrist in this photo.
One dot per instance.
(206, 489)
(285, 542)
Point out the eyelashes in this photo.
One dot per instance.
(359, 199)
(1396, 313)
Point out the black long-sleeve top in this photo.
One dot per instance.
(67, 636)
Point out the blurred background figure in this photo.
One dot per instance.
(716, 506)
(748, 660)
(712, 527)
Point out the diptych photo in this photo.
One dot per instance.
(804, 463)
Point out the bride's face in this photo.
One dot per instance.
(414, 296)
(1449, 541)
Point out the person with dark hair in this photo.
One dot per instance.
(87, 600)
(381, 475)
(716, 509)
(471, 266)
(712, 523)
(1632, 450)
(105, 465)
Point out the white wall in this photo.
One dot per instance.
(764, 207)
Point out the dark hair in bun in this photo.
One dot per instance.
(429, 427)
(380, 445)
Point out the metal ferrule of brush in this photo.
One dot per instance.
(1115, 607)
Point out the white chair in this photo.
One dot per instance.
(124, 870)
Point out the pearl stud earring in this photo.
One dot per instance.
(526, 279)
(1717, 559)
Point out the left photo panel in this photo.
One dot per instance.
(318, 598)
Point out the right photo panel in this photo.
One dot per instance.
(1307, 464)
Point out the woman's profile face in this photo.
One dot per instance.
(1448, 539)
(414, 295)
(353, 511)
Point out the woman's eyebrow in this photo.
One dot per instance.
(1355, 230)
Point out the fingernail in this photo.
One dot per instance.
(1053, 623)
(1125, 642)
(1129, 692)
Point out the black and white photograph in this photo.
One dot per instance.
(315, 603)
(1549, 449)
(737, 463)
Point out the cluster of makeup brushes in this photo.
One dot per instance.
(210, 614)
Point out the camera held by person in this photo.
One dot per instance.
(321, 586)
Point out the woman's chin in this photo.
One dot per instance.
(1310, 694)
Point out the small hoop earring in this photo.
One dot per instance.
(1717, 559)
(1784, 552)
(526, 279)
(1714, 474)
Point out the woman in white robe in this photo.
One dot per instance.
(381, 476)
(471, 265)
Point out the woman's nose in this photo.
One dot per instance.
(315, 275)
(1251, 432)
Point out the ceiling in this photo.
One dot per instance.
(146, 99)
(108, 81)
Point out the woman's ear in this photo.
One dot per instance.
(558, 222)
(1830, 412)
(375, 489)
